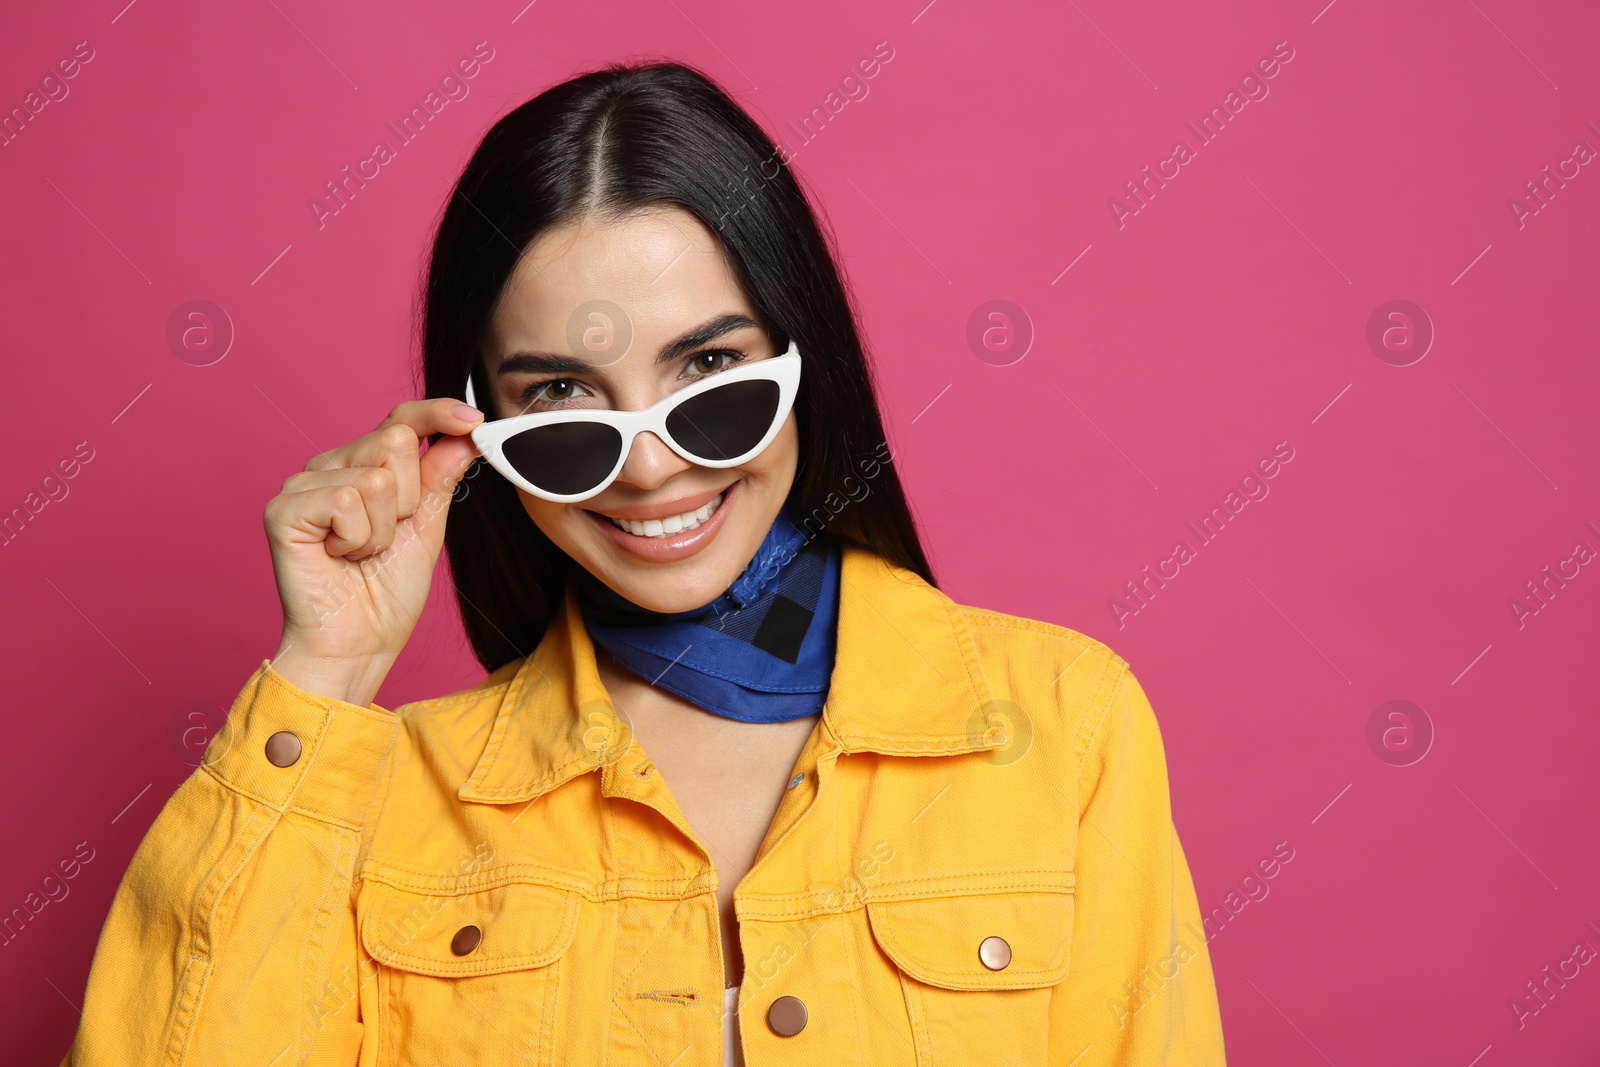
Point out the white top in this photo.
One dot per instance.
(732, 1054)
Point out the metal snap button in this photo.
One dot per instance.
(787, 1016)
(283, 748)
(797, 779)
(466, 940)
(995, 953)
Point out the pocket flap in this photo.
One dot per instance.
(937, 939)
(519, 926)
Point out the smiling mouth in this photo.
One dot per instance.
(672, 524)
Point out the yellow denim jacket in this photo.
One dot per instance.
(976, 864)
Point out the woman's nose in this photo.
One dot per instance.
(650, 462)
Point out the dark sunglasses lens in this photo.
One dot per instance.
(727, 421)
(566, 458)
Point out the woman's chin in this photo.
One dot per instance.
(673, 587)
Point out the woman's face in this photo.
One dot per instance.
(620, 313)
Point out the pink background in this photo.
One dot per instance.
(1225, 316)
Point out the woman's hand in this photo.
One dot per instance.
(354, 540)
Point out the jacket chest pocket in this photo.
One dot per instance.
(467, 977)
(977, 969)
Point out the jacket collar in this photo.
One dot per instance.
(906, 682)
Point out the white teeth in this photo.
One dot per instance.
(672, 524)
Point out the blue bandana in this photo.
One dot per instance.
(762, 651)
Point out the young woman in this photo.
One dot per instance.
(741, 785)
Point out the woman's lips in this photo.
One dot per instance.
(662, 509)
(670, 547)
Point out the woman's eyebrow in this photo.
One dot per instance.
(550, 363)
(704, 334)
(540, 363)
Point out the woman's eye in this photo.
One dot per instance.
(555, 391)
(708, 362)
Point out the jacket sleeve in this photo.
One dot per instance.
(232, 935)
(1140, 991)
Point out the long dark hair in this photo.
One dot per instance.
(614, 140)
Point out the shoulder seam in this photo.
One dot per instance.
(999, 620)
(1112, 679)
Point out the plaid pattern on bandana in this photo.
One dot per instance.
(778, 621)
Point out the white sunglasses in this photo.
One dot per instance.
(568, 456)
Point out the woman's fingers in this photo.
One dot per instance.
(398, 444)
(395, 444)
(371, 498)
(378, 487)
(443, 466)
(440, 415)
(445, 463)
(333, 514)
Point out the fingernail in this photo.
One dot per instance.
(467, 413)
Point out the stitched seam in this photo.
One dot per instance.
(291, 692)
(644, 1041)
(321, 816)
(850, 945)
(289, 806)
(794, 821)
(1107, 684)
(995, 620)
(554, 980)
(610, 935)
(801, 911)
(316, 976)
(179, 1026)
(303, 769)
(976, 678)
(528, 791)
(1120, 668)
(258, 824)
(971, 883)
(639, 962)
(671, 887)
(921, 744)
(978, 882)
(611, 858)
(491, 748)
(383, 790)
(644, 953)
(922, 1040)
(386, 1012)
(501, 728)
(403, 877)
